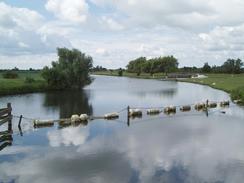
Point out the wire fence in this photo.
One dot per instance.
(127, 109)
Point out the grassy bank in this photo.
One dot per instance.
(233, 84)
(21, 85)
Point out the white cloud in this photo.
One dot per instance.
(224, 38)
(68, 136)
(114, 32)
(102, 51)
(111, 24)
(75, 11)
(196, 15)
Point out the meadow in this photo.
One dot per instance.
(27, 82)
(231, 83)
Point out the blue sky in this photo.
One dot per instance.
(114, 32)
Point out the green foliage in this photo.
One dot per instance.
(232, 66)
(206, 68)
(238, 94)
(120, 72)
(29, 80)
(98, 69)
(136, 65)
(154, 65)
(70, 71)
(10, 75)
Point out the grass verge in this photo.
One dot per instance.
(20, 86)
(231, 83)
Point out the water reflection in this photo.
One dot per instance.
(175, 148)
(6, 138)
(182, 151)
(69, 102)
(167, 93)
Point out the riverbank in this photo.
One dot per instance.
(132, 75)
(232, 84)
(27, 82)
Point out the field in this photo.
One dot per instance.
(226, 82)
(233, 84)
(20, 85)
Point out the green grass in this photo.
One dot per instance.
(233, 84)
(19, 86)
(133, 75)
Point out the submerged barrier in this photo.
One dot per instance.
(170, 110)
(185, 108)
(135, 113)
(153, 111)
(83, 119)
(111, 116)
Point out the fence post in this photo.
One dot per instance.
(128, 115)
(9, 115)
(207, 108)
(20, 119)
(9, 109)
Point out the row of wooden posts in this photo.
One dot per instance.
(6, 138)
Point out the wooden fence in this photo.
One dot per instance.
(6, 135)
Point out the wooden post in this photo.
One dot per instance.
(20, 119)
(128, 115)
(206, 108)
(20, 131)
(9, 108)
(9, 115)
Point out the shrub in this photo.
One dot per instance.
(10, 75)
(238, 94)
(29, 80)
(120, 72)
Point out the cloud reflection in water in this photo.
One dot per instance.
(196, 150)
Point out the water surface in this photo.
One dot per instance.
(186, 147)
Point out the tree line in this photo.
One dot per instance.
(169, 64)
(154, 65)
(231, 66)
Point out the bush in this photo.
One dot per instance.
(120, 72)
(238, 94)
(29, 80)
(10, 75)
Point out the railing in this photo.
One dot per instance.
(6, 138)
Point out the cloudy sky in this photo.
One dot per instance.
(116, 31)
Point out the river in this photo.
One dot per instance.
(185, 147)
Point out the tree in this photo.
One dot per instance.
(153, 65)
(136, 65)
(233, 66)
(70, 71)
(206, 68)
(120, 72)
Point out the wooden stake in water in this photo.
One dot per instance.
(128, 115)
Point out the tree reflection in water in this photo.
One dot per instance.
(69, 102)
